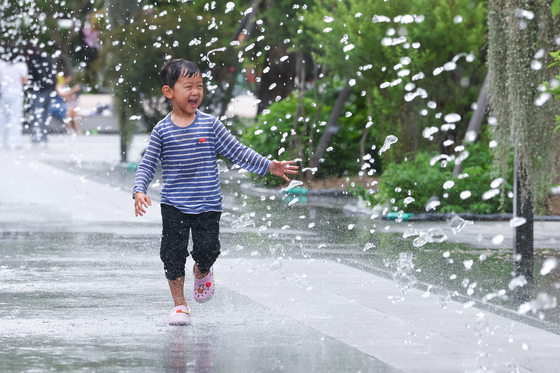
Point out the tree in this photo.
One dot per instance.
(142, 38)
(58, 26)
(520, 34)
(387, 59)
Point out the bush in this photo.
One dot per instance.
(418, 179)
(273, 136)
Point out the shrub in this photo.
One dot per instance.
(416, 178)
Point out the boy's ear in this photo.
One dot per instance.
(167, 92)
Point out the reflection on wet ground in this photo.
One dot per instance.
(73, 301)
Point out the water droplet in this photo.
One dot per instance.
(222, 167)
(432, 203)
(293, 183)
(542, 99)
(448, 184)
(243, 221)
(436, 235)
(410, 231)
(517, 221)
(368, 246)
(496, 182)
(389, 140)
(275, 267)
(456, 223)
(536, 65)
(458, 19)
(490, 194)
(443, 296)
(408, 200)
(421, 240)
(548, 266)
(468, 263)
(452, 118)
(496, 240)
(450, 66)
(328, 19)
(465, 194)
(230, 6)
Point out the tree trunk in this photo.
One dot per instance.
(120, 12)
(331, 127)
(476, 119)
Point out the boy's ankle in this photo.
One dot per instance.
(199, 275)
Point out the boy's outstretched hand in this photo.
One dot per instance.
(282, 168)
(141, 203)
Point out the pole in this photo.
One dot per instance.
(523, 239)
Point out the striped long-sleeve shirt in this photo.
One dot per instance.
(188, 160)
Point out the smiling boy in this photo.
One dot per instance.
(186, 143)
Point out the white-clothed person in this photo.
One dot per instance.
(13, 76)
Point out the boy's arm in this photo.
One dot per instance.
(247, 158)
(145, 173)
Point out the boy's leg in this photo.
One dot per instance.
(173, 252)
(177, 287)
(206, 243)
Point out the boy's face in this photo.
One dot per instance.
(186, 94)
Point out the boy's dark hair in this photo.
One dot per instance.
(172, 69)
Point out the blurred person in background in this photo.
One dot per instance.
(70, 99)
(13, 77)
(42, 73)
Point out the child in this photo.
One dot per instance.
(186, 142)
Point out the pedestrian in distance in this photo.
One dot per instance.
(42, 73)
(67, 96)
(13, 77)
(186, 143)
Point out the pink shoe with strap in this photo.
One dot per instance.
(180, 315)
(204, 288)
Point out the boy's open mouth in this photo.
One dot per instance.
(193, 102)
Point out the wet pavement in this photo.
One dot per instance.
(82, 286)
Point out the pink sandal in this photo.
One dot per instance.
(180, 315)
(204, 287)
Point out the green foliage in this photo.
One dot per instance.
(416, 178)
(272, 136)
(440, 38)
(555, 90)
(555, 7)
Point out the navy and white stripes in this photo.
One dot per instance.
(188, 160)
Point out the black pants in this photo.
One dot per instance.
(175, 238)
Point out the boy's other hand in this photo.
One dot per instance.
(141, 203)
(282, 168)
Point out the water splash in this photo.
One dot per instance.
(517, 221)
(389, 140)
(404, 277)
(243, 221)
(410, 231)
(443, 296)
(222, 167)
(368, 246)
(544, 301)
(457, 223)
(293, 183)
(496, 240)
(548, 266)
(432, 203)
(516, 282)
